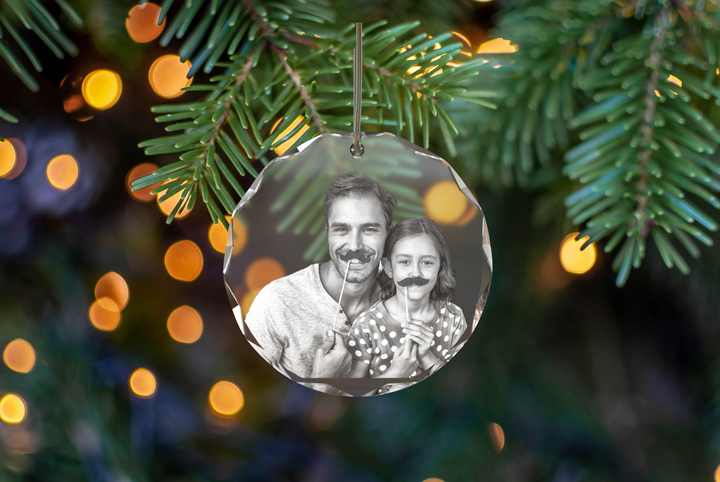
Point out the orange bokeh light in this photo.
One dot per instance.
(497, 436)
(497, 46)
(184, 260)
(261, 272)
(12, 408)
(142, 22)
(137, 172)
(104, 314)
(226, 399)
(112, 286)
(101, 89)
(185, 325)
(217, 234)
(62, 171)
(282, 148)
(142, 382)
(19, 356)
(169, 204)
(168, 76)
(240, 235)
(19, 161)
(444, 203)
(7, 157)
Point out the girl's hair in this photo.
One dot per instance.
(446, 283)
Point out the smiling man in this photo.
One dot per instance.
(295, 319)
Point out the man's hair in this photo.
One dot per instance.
(354, 184)
(446, 282)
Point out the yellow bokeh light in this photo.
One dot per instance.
(19, 356)
(12, 408)
(19, 162)
(497, 46)
(112, 286)
(497, 436)
(184, 260)
(101, 89)
(104, 314)
(674, 80)
(217, 234)
(169, 204)
(433, 479)
(168, 76)
(717, 474)
(7, 157)
(142, 382)
(185, 325)
(572, 259)
(226, 399)
(247, 300)
(62, 171)
(282, 148)
(262, 271)
(463, 38)
(142, 22)
(444, 203)
(137, 172)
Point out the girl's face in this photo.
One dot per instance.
(414, 256)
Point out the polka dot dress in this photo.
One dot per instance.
(375, 336)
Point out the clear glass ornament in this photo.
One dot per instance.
(291, 280)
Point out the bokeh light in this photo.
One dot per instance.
(433, 479)
(112, 286)
(497, 436)
(168, 76)
(62, 171)
(282, 148)
(674, 80)
(574, 260)
(19, 356)
(169, 204)
(20, 159)
(444, 203)
(142, 382)
(717, 474)
(184, 260)
(497, 46)
(12, 408)
(7, 157)
(226, 399)
(137, 172)
(185, 325)
(142, 22)
(262, 271)
(217, 234)
(101, 89)
(105, 314)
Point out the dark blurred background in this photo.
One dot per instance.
(566, 379)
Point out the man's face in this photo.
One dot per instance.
(356, 223)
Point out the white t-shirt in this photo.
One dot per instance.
(290, 318)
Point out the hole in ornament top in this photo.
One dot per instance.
(354, 278)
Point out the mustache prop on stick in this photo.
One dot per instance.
(358, 255)
(416, 280)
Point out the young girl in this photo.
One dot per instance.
(414, 324)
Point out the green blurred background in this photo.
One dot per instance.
(566, 379)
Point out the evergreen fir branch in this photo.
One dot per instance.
(33, 16)
(289, 67)
(649, 150)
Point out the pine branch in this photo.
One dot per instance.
(33, 16)
(287, 66)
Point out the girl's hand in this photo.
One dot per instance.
(420, 333)
(404, 362)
